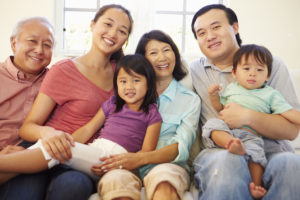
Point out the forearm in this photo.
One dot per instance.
(82, 135)
(272, 126)
(293, 116)
(163, 155)
(32, 132)
(215, 102)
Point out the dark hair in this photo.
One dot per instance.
(140, 65)
(261, 54)
(230, 14)
(179, 69)
(119, 54)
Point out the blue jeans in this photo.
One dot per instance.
(26, 186)
(68, 184)
(222, 175)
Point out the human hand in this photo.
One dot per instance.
(57, 144)
(234, 115)
(127, 161)
(11, 149)
(214, 89)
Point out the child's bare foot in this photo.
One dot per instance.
(257, 192)
(236, 146)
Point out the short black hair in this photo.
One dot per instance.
(230, 14)
(140, 65)
(179, 70)
(260, 53)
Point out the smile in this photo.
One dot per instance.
(109, 42)
(163, 66)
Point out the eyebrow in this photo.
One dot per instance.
(110, 19)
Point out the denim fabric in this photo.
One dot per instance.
(282, 175)
(221, 175)
(27, 186)
(216, 179)
(68, 184)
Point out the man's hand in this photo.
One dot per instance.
(235, 116)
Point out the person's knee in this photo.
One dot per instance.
(71, 185)
(165, 190)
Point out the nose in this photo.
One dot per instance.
(161, 56)
(210, 35)
(129, 85)
(112, 32)
(39, 49)
(252, 72)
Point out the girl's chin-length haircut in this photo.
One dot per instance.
(140, 65)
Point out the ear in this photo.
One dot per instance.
(13, 43)
(92, 25)
(235, 27)
(233, 73)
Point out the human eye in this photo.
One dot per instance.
(48, 45)
(215, 27)
(246, 68)
(123, 32)
(153, 53)
(201, 33)
(32, 41)
(107, 24)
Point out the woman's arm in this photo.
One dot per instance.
(269, 125)
(55, 142)
(84, 133)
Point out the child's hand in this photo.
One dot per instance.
(214, 89)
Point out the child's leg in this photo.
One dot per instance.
(227, 141)
(255, 187)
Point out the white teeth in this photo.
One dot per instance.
(37, 59)
(108, 41)
(163, 66)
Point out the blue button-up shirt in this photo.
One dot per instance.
(180, 110)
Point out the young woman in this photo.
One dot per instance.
(165, 172)
(130, 118)
(72, 93)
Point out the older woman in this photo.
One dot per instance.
(165, 172)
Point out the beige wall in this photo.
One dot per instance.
(272, 23)
(14, 10)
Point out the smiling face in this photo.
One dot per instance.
(162, 58)
(215, 36)
(110, 31)
(132, 88)
(33, 47)
(250, 74)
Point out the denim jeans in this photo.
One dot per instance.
(23, 187)
(222, 175)
(68, 184)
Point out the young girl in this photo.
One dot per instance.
(252, 67)
(130, 118)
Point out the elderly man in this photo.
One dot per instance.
(21, 75)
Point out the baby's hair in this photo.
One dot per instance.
(261, 54)
(140, 65)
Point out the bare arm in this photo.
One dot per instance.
(214, 97)
(269, 125)
(151, 137)
(293, 116)
(84, 133)
(55, 142)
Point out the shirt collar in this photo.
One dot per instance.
(170, 92)
(209, 64)
(17, 73)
